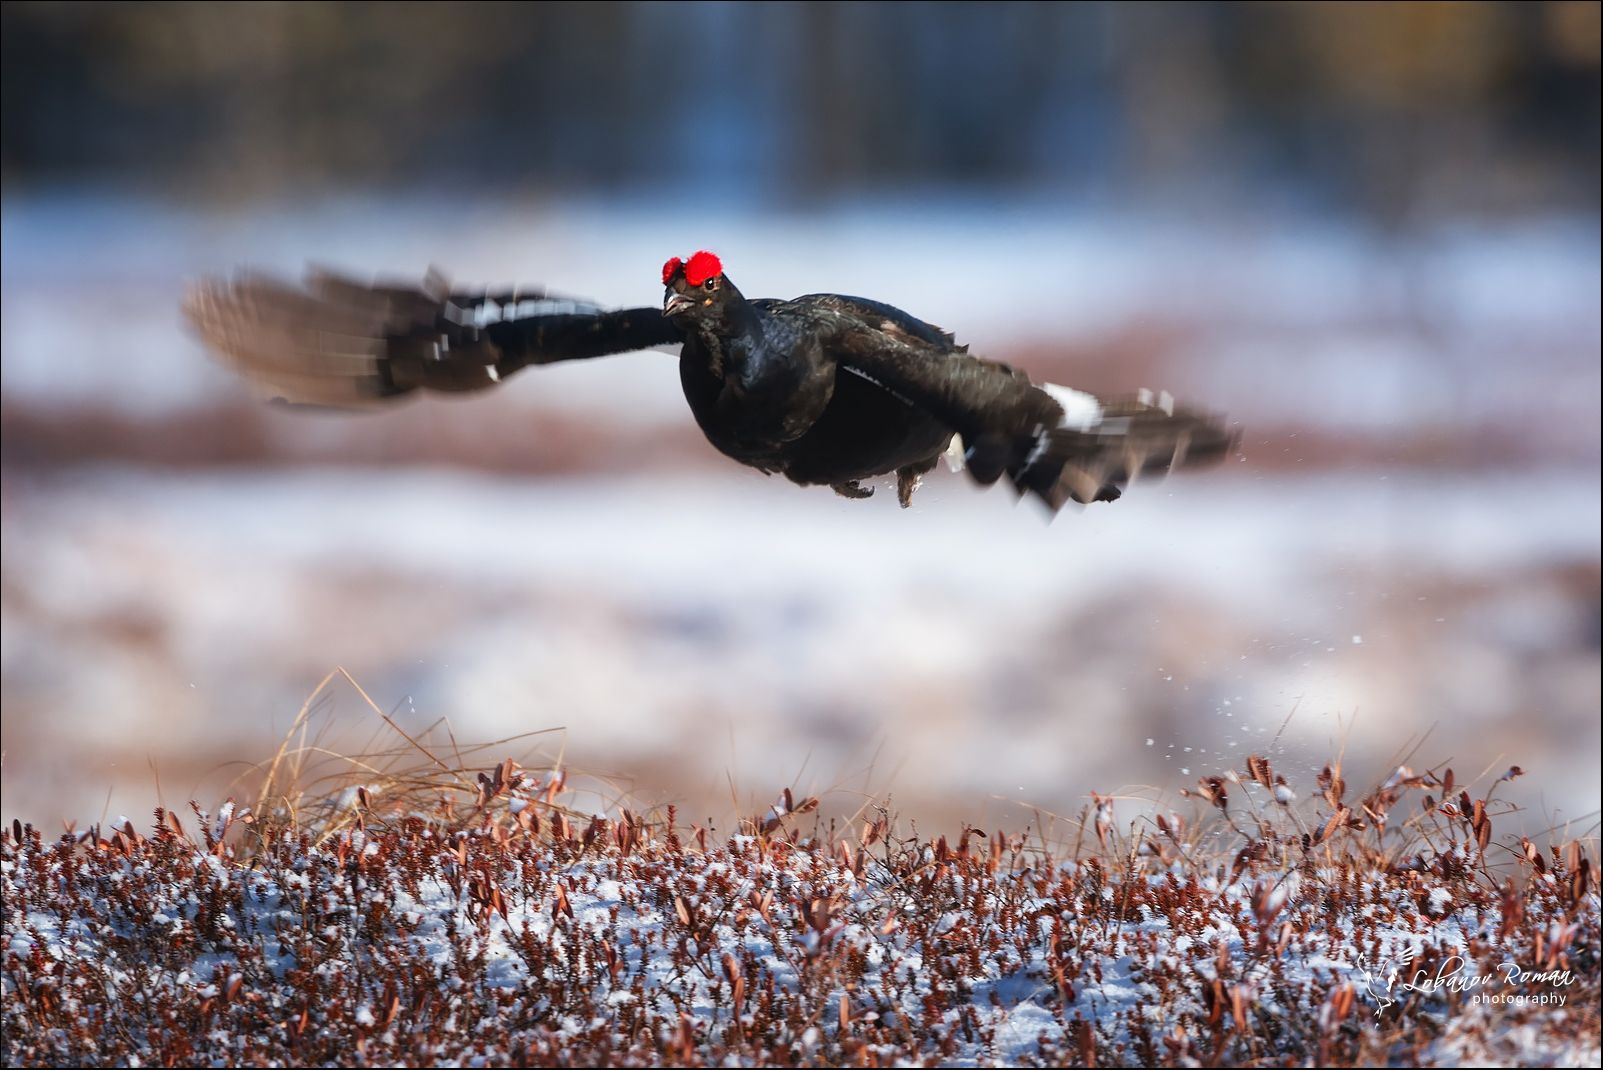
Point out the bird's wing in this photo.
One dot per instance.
(335, 342)
(1058, 444)
(878, 315)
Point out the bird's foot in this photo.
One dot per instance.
(852, 489)
(910, 477)
(907, 481)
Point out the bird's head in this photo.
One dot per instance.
(697, 289)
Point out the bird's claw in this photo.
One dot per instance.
(852, 489)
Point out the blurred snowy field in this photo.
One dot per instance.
(684, 632)
(1326, 325)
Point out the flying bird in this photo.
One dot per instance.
(825, 389)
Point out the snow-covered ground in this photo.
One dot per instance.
(513, 938)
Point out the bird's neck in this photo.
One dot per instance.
(740, 319)
(735, 337)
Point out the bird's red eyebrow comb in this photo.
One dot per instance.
(702, 266)
(669, 268)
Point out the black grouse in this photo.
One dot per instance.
(824, 388)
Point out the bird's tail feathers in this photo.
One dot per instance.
(1100, 446)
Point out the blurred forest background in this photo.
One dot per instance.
(1370, 232)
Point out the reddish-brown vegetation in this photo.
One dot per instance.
(500, 927)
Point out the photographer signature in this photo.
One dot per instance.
(1453, 975)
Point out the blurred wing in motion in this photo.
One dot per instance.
(335, 342)
(1058, 444)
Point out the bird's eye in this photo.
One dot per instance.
(711, 284)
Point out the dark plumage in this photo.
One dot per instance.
(824, 388)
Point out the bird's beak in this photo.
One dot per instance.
(676, 303)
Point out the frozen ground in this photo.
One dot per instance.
(509, 935)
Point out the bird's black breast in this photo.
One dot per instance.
(778, 400)
(864, 432)
(700, 376)
(752, 406)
